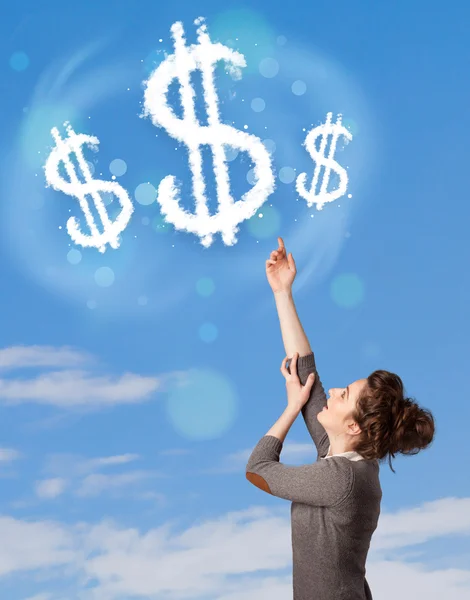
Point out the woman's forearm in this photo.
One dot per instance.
(281, 427)
(293, 335)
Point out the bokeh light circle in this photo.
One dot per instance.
(250, 177)
(205, 286)
(258, 105)
(74, 256)
(299, 87)
(36, 130)
(230, 153)
(19, 61)
(347, 290)
(208, 332)
(160, 225)
(270, 145)
(245, 30)
(351, 125)
(118, 167)
(145, 193)
(104, 276)
(266, 223)
(286, 174)
(202, 405)
(269, 67)
(142, 300)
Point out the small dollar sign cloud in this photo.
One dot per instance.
(335, 130)
(203, 56)
(90, 188)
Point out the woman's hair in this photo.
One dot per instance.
(389, 422)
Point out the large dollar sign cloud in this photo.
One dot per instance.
(91, 187)
(203, 56)
(335, 130)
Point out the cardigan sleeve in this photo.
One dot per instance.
(324, 483)
(316, 400)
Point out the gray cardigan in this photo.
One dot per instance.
(335, 506)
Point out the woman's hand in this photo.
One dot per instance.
(280, 269)
(297, 394)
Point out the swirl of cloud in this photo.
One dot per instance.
(34, 217)
(155, 262)
(300, 86)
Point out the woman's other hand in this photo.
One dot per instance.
(297, 394)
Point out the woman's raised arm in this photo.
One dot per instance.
(281, 271)
(293, 334)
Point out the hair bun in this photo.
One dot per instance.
(405, 404)
(389, 421)
(406, 407)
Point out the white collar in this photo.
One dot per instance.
(351, 455)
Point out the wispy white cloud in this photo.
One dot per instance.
(150, 495)
(66, 389)
(50, 488)
(235, 462)
(109, 461)
(242, 555)
(8, 455)
(98, 483)
(17, 357)
(84, 477)
(447, 516)
(60, 383)
(74, 465)
(30, 545)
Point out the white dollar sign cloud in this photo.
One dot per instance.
(328, 128)
(91, 187)
(203, 56)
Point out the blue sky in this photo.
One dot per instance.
(129, 410)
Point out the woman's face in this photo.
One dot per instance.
(341, 403)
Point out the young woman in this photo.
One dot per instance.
(336, 500)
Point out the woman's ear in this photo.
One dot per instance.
(354, 429)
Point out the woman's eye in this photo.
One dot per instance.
(342, 395)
